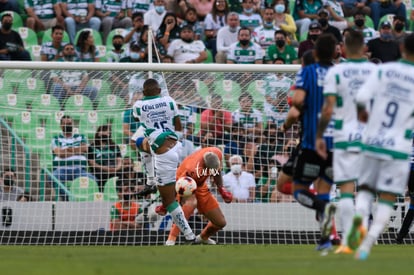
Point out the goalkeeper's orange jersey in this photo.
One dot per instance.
(193, 166)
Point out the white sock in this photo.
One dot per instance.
(346, 213)
(381, 218)
(179, 219)
(363, 205)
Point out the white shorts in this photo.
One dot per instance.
(389, 176)
(345, 165)
(166, 165)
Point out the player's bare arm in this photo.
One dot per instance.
(298, 98)
(291, 118)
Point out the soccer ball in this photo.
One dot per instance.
(185, 186)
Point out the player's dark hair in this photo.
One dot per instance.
(151, 87)
(308, 58)
(325, 48)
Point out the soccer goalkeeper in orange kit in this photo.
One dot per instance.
(200, 165)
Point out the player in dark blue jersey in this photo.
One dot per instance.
(310, 167)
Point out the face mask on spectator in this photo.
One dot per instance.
(159, 9)
(359, 22)
(233, 30)
(280, 43)
(386, 36)
(67, 128)
(399, 27)
(69, 57)
(280, 8)
(236, 169)
(323, 22)
(134, 55)
(8, 181)
(244, 42)
(127, 197)
(117, 46)
(189, 40)
(268, 24)
(7, 26)
(313, 37)
(248, 11)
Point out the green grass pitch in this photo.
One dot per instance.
(220, 259)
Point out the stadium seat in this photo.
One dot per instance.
(78, 106)
(28, 36)
(110, 193)
(84, 189)
(47, 36)
(197, 124)
(89, 124)
(303, 37)
(101, 52)
(5, 87)
(256, 89)
(53, 123)
(210, 58)
(45, 106)
(103, 86)
(388, 17)
(31, 89)
(229, 91)
(17, 19)
(96, 35)
(117, 31)
(11, 105)
(117, 130)
(39, 142)
(111, 102)
(24, 123)
(202, 90)
(16, 76)
(34, 51)
(291, 6)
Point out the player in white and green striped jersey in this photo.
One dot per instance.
(341, 85)
(387, 98)
(160, 118)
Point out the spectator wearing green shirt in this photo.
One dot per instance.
(281, 50)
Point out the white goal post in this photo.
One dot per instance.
(30, 114)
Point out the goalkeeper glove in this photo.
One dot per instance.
(226, 195)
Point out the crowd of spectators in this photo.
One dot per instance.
(185, 31)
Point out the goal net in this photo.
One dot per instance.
(43, 204)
